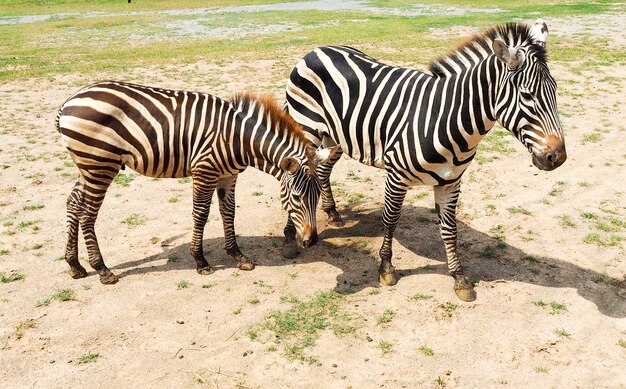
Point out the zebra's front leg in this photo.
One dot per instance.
(395, 191)
(74, 201)
(203, 188)
(446, 197)
(328, 201)
(226, 196)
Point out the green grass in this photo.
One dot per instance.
(419, 296)
(5, 279)
(183, 284)
(124, 179)
(297, 328)
(32, 207)
(542, 369)
(427, 351)
(92, 45)
(134, 220)
(355, 197)
(61, 295)
(385, 346)
(387, 316)
(88, 358)
(562, 333)
(519, 210)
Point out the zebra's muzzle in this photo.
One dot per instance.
(309, 237)
(551, 157)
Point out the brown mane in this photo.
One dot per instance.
(277, 114)
(513, 34)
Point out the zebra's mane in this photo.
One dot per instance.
(465, 55)
(252, 100)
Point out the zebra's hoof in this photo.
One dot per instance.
(290, 250)
(205, 271)
(77, 273)
(388, 279)
(109, 279)
(245, 265)
(463, 288)
(466, 294)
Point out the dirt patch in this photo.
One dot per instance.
(551, 304)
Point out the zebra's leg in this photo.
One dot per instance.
(446, 197)
(93, 196)
(328, 201)
(395, 191)
(74, 200)
(203, 188)
(290, 247)
(226, 196)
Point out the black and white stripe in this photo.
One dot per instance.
(168, 133)
(424, 129)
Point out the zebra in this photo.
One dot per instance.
(165, 133)
(424, 129)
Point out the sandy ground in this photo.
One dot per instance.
(148, 332)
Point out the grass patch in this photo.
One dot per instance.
(387, 316)
(5, 279)
(562, 333)
(419, 296)
(519, 210)
(297, 328)
(124, 179)
(183, 284)
(355, 197)
(134, 220)
(385, 346)
(32, 207)
(23, 325)
(88, 358)
(427, 351)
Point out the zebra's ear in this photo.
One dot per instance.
(539, 32)
(289, 164)
(323, 155)
(512, 57)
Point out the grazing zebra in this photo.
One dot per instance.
(424, 129)
(170, 134)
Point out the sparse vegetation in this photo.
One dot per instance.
(385, 346)
(387, 316)
(427, 351)
(562, 333)
(134, 220)
(298, 327)
(419, 296)
(88, 358)
(5, 279)
(124, 179)
(183, 284)
(23, 325)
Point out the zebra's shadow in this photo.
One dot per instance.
(350, 249)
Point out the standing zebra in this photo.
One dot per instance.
(170, 134)
(424, 129)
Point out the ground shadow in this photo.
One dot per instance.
(485, 258)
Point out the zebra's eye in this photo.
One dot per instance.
(296, 197)
(526, 96)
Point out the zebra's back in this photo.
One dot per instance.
(156, 132)
(366, 104)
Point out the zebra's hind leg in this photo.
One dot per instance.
(92, 198)
(328, 201)
(290, 247)
(203, 187)
(395, 192)
(446, 197)
(226, 196)
(71, 249)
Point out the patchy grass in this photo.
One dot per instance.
(88, 358)
(183, 284)
(387, 316)
(521, 210)
(23, 325)
(5, 279)
(419, 296)
(427, 351)
(385, 346)
(124, 179)
(32, 207)
(297, 328)
(562, 333)
(134, 220)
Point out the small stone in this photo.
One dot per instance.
(52, 361)
(180, 356)
(334, 365)
(369, 338)
(180, 321)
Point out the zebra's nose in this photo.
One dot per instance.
(309, 237)
(556, 156)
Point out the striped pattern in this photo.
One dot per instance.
(424, 129)
(167, 134)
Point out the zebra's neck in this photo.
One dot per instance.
(266, 139)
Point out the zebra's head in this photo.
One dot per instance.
(300, 191)
(526, 99)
